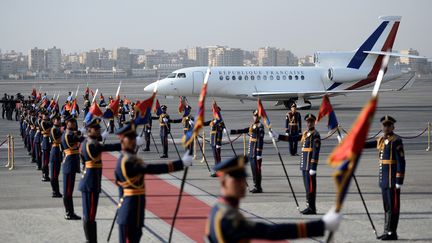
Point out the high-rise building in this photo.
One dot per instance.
(225, 56)
(271, 56)
(53, 60)
(122, 58)
(199, 55)
(36, 60)
(90, 59)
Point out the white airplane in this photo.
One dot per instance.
(334, 73)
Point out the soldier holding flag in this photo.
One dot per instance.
(256, 143)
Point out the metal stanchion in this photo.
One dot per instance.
(203, 146)
(9, 151)
(195, 150)
(429, 137)
(12, 164)
(244, 144)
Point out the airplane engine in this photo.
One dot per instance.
(341, 75)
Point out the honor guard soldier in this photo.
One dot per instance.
(56, 155)
(216, 134)
(293, 128)
(391, 174)
(102, 100)
(187, 122)
(147, 134)
(129, 174)
(90, 184)
(86, 106)
(256, 143)
(46, 126)
(121, 114)
(31, 133)
(165, 129)
(311, 145)
(70, 145)
(4, 105)
(227, 224)
(37, 140)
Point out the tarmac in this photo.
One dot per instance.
(29, 214)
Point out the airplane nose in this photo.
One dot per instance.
(149, 88)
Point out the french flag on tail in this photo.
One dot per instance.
(327, 109)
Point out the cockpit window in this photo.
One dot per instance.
(172, 75)
(181, 75)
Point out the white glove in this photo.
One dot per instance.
(259, 157)
(273, 134)
(218, 146)
(139, 141)
(225, 131)
(312, 172)
(398, 186)
(191, 123)
(165, 120)
(332, 220)
(286, 134)
(187, 159)
(105, 134)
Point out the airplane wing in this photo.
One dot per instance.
(319, 93)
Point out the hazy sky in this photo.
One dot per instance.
(301, 26)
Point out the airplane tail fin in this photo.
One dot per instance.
(381, 39)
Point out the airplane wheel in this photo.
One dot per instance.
(309, 106)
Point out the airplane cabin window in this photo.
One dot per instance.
(258, 77)
(290, 77)
(271, 77)
(277, 77)
(302, 77)
(264, 77)
(181, 75)
(220, 77)
(252, 77)
(239, 77)
(172, 75)
(227, 77)
(284, 77)
(296, 77)
(233, 78)
(246, 77)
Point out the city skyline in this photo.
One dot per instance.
(174, 26)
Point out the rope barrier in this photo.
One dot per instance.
(3, 142)
(415, 136)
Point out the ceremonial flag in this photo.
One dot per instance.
(182, 104)
(143, 110)
(263, 114)
(87, 91)
(112, 109)
(189, 136)
(52, 105)
(157, 109)
(94, 111)
(34, 93)
(327, 109)
(347, 154)
(38, 97)
(216, 112)
(74, 111)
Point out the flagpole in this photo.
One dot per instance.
(358, 189)
(284, 169)
(185, 170)
(374, 95)
(154, 143)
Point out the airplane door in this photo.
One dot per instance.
(198, 80)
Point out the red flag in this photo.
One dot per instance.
(327, 109)
(34, 93)
(199, 118)
(182, 104)
(263, 114)
(216, 111)
(157, 109)
(346, 155)
(145, 106)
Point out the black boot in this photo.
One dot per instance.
(70, 214)
(390, 236)
(86, 230)
(256, 190)
(386, 226)
(92, 232)
(55, 187)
